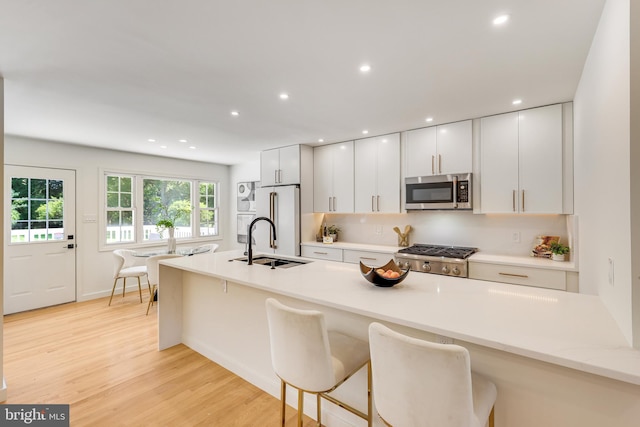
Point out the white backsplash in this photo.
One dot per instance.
(489, 233)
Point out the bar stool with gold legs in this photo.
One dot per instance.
(422, 384)
(308, 357)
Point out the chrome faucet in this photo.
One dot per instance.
(250, 246)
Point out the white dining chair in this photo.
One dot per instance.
(153, 275)
(212, 247)
(419, 383)
(308, 357)
(124, 267)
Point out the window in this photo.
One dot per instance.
(120, 227)
(36, 210)
(191, 205)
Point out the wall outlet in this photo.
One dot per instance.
(515, 237)
(441, 339)
(378, 229)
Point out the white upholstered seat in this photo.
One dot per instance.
(418, 383)
(123, 267)
(153, 275)
(307, 356)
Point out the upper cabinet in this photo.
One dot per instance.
(333, 178)
(377, 174)
(280, 166)
(439, 150)
(522, 156)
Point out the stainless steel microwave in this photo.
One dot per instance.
(440, 192)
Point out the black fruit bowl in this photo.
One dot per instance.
(370, 274)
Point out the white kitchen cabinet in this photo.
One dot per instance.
(280, 166)
(368, 258)
(519, 275)
(521, 162)
(333, 178)
(439, 150)
(377, 174)
(326, 253)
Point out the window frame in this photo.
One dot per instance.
(138, 209)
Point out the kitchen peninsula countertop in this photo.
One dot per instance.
(565, 329)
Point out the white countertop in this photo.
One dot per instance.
(523, 261)
(566, 329)
(355, 246)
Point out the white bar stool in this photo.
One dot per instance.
(311, 359)
(422, 384)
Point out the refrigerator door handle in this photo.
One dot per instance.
(272, 216)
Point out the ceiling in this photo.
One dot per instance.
(115, 73)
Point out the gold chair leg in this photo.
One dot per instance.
(151, 292)
(369, 400)
(300, 406)
(140, 289)
(491, 421)
(124, 285)
(283, 400)
(115, 281)
(319, 409)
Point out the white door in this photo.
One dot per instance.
(322, 178)
(420, 152)
(40, 259)
(454, 148)
(388, 174)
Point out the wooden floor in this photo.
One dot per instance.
(104, 362)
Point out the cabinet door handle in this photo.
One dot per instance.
(369, 258)
(335, 208)
(329, 203)
(275, 176)
(524, 276)
(522, 200)
(372, 208)
(320, 253)
(439, 163)
(433, 169)
(378, 203)
(513, 199)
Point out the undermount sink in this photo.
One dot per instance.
(273, 262)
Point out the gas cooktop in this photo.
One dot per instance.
(439, 251)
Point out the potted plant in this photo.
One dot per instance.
(333, 232)
(558, 251)
(164, 224)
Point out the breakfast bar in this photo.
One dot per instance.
(557, 358)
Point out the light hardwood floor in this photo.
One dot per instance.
(104, 362)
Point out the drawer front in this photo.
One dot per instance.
(370, 259)
(330, 254)
(539, 277)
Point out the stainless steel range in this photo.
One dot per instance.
(446, 260)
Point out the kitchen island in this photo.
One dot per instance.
(557, 358)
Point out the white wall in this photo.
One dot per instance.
(635, 171)
(602, 164)
(95, 267)
(489, 233)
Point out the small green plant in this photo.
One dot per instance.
(333, 229)
(558, 248)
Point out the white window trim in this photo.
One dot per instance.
(140, 243)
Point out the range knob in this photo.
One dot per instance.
(445, 269)
(456, 271)
(426, 267)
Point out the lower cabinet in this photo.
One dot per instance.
(329, 254)
(528, 276)
(370, 259)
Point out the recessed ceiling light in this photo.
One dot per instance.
(284, 96)
(321, 140)
(182, 140)
(365, 68)
(428, 119)
(163, 146)
(151, 140)
(364, 132)
(235, 113)
(517, 101)
(499, 20)
(193, 147)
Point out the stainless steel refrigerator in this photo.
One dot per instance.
(281, 204)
